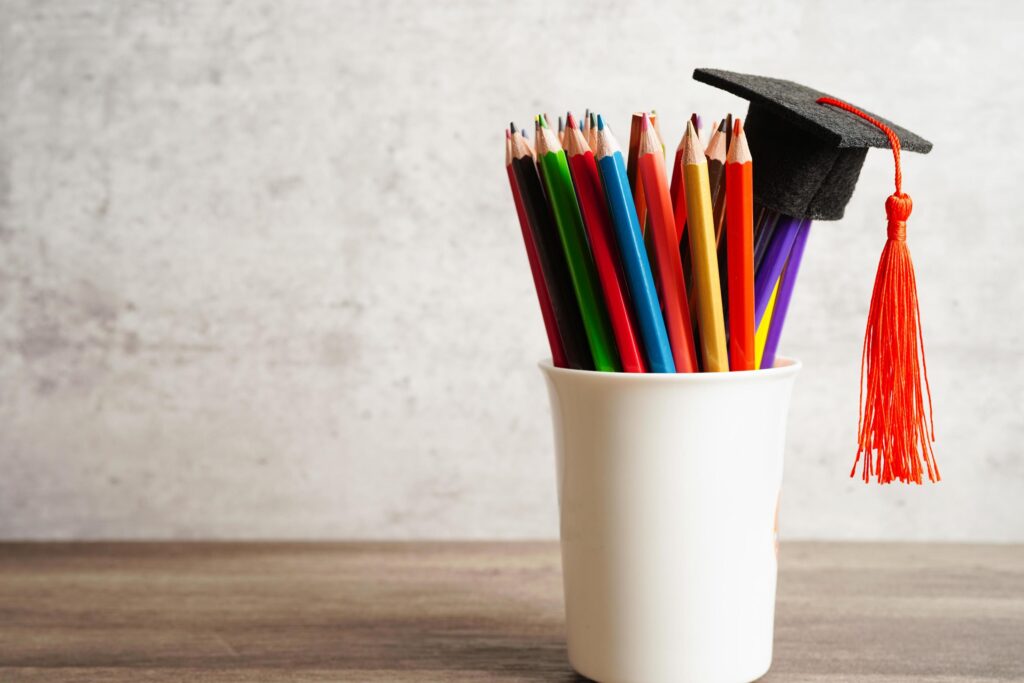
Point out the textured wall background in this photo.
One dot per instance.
(260, 273)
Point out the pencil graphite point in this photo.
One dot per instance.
(645, 122)
(512, 127)
(543, 120)
(600, 122)
(570, 121)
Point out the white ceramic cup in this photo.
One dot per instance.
(668, 490)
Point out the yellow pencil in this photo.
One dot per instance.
(704, 256)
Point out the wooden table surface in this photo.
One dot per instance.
(468, 612)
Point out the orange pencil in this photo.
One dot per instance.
(739, 244)
(664, 239)
(597, 221)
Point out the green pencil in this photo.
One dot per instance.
(562, 195)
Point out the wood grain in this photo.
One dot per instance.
(468, 612)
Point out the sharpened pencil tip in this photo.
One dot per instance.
(600, 122)
(542, 121)
(644, 122)
(512, 127)
(570, 120)
(723, 126)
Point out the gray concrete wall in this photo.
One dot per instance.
(261, 276)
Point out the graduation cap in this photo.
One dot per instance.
(808, 156)
(808, 150)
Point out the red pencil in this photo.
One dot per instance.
(739, 244)
(546, 312)
(597, 220)
(665, 239)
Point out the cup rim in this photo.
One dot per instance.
(784, 367)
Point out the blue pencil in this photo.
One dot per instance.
(634, 255)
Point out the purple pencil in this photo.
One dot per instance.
(792, 269)
(774, 261)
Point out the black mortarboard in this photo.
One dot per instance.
(807, 155)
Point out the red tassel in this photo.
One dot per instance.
(895, 432)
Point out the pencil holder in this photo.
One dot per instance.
(668, 490)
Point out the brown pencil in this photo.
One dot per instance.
(715, 153)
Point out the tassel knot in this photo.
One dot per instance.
(897, 210)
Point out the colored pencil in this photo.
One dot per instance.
(664, 239)
(716, 153)
(739, 242)
(785, 294)
(598, 223)
(728, 132)
(551, 158)
(701, 230)
(550, 326)
(642, 291)
(592, 140)
(775, 257)
(553, 264)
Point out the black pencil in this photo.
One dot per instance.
(549, 251)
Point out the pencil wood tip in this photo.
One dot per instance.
(694, 153)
